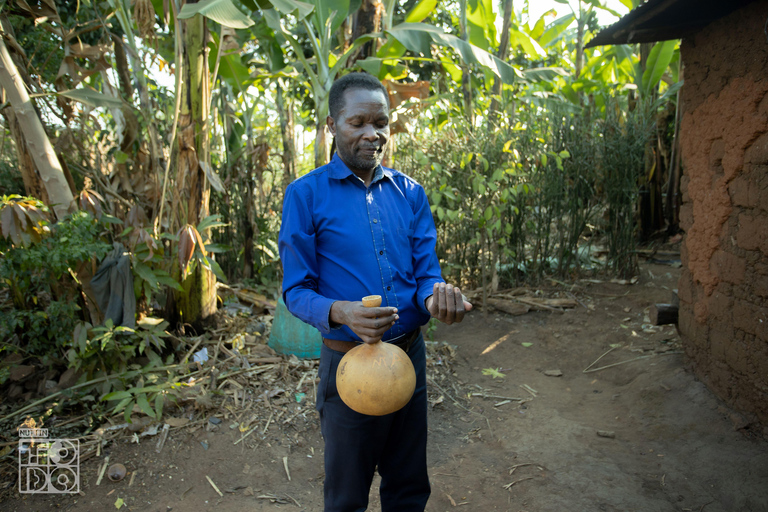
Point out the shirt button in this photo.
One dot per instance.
(381, 252)
(389, 288)
(375, 221)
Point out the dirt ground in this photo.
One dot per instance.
(643, 435)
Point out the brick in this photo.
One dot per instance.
(693, 333)
(716, 153)
(728, 266)
(761, 186)
(684, 181)
(757, 153)
(747, 316)
(760, 285)
(738, 359)
(720, 340)
(686, 216)
(700, 311)
(752, 231)
(721, 306)
(739, 191)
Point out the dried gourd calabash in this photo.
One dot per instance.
(375, 378)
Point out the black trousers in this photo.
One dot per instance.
(356, 444)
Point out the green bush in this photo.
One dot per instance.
(41, 281)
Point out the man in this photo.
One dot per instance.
(354, 228)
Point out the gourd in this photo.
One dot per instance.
(375, 378)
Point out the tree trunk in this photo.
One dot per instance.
(321, 136)
(502, 55)
(33, 185)
(192, 191)
(285, 113)
(38, 146)
(367, 20)
(466, 88)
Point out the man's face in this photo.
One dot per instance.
(362, 129)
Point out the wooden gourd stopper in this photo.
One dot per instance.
(375, 378)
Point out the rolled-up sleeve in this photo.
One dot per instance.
(426, 267)
(297, 247)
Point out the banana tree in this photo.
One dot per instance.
(321, 20)
(194, 174)
(40, 148)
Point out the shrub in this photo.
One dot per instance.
(41, 280)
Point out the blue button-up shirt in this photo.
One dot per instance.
(342, 241)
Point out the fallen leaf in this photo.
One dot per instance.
(119, 503)
(553, 373)
(527, 344)
(177, 422)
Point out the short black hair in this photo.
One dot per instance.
(356, 80)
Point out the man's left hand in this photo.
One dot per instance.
(447, 304)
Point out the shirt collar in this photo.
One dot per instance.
(339, 170)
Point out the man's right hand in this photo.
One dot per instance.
(369, 324)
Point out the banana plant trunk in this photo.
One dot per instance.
(501, 54)
(285, 114)
(321, 137)
(38, 146)
(191, 197)
(367, 20)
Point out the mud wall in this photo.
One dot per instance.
(723, 289)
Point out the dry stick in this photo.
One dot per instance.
(72, 420)
(571, 295)
(629, 361)
(285, 465)
(448, 395)
(599, 358)
(103, 470)
(271, 414)
(163, 437)
(518, 481)
(192, 350)
(246, 435)
(513, 468)
(293, 416)
(537, 305)
(512, 399)
(214, 485)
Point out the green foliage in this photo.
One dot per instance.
(108, 349)
(623, 148)
(113, 350)
(11, 182)
(42, 281)
(526, 201)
